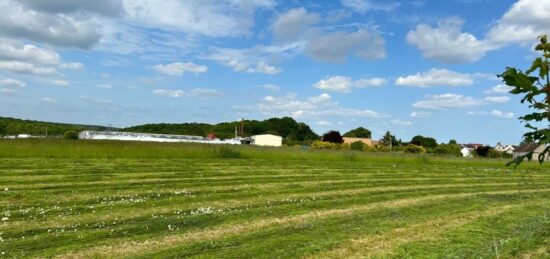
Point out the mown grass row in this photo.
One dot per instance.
(261, 207)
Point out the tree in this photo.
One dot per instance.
(414, 149)
(357, 145)
(333, 137)
(450, 149)
(453, 142)
(70, 134)
(535, 90)
(359, 133)
(389, 140)
(483, 151)
(426, 142)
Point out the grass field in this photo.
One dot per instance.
(119, 199)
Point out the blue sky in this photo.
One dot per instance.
(411, 67)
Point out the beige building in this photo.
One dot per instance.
(268, 140)
(366, 141)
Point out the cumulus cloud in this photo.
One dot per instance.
(436, 77)
(497, 99)
(272, 87)
(448, 101)
(17, 21)
(179, 68)
(27, 68)
(12, 50)
(337, 46)
(12, 83)
(321, 106)
(499, 89)
(103, 7)
(344, 84)
(324, 123)
(168, 92)
(494, 113)
(292, 24)
(364, 6)
(447, 43)
(523, 22)
(205, 93)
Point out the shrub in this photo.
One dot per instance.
(323, 145)
(226, 152)
(358, 145)
(483, 151)
(70, 134)
(333, 137)
(451, 149)
(414, 149)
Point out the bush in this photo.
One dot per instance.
(333, 137)
(414, 149)
(323, 145)
(358, 145)
(483, 151)
(450, 149)
(70, 134)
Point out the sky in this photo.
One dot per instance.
(415, 67)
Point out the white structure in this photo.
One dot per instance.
(508, 149)
(132, 136)
(467, 152)
(24, 136)
(268, 140)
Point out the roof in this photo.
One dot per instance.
(529, 147)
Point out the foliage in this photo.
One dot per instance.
(483, 151)
(12, 126)
(226, 152)
(452, 141)
(328, 145)
(389, 138)
(357, 145)
(333, 137)
(426, 142)
(359, 133)
(497, 154)
(449, 149)
(70, 134)
(535, 90)
(293, 132)
(414, 149)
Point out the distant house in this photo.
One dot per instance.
(530, 147)
(468, 150)
(366, 141)
(499, 147)
(508, 149)
(267, 140)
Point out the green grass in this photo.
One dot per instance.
(124, 199)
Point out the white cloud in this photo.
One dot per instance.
(103, 7)
(62, 83)
(497, 99)
(522, 23)
(27, 68)
(448, 101)
(168, 92)
(494, 113)
(264, 68)
(49, 100)
(324, 123)
(499, 89)
(436, 77)
(447, 43)
(364, 6)
(179, 68)
(272, 87)
(344, 84)
(72, 66)
(224, 18)
(104, 86)
(17, 21)
(421, 114)
(12, 83)
(12, 50)
(321, 106)
(401, 122)
(337, 46)
(205, 93)
(8, 91)
(292, 24)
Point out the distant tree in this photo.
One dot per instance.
(426, 142)
(453, 142)
(357, 145)
(449, 149)
(536, 92)
(389, 138)
(70, 134)
(483, 151)
(414, 149)
(333, 137)
(359, 133)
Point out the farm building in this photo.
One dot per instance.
(132, 136)
(366, 141)
(268, 140)
(530, 147)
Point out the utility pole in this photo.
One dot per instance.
(46, 132)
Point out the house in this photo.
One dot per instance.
(468, 150)
(366, 141)
(268, 140)
(499, 147)
(508, 149)
(530, 147)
